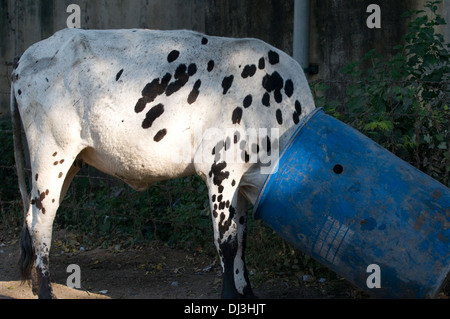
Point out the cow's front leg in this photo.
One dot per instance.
(229, 210)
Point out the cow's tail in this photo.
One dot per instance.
(27, 255)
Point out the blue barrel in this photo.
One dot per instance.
(349, 203)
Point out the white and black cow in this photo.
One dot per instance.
(146, 106)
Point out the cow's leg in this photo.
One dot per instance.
(229, 210)
(51, 169)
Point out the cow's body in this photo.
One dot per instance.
(146, 106)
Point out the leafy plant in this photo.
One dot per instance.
(402, 102)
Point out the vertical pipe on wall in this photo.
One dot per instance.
(301, 33)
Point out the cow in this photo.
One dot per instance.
(145, 106)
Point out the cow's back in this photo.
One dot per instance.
(138, 99)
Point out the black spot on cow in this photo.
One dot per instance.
(152, 115)
(38, 201)
(274, 58)
(261, 63)
(249, 71)
(42, 196)
(192, 69)
(218, 173)
(296, 117)
(237, 115)
(118, 75)
(236, 137)
(173, 56)
(275, 83)
(298, 107)
(227, 143)
(180, 72)
(228, 248)
(181, 76)
(266, 99)
(247, 101)
(232, 211)
(140, 105)
(267, 145)
(19, 91)
(195, 92)
(278, 97)
(297, 112)
(204, 41)
(255, 148)
(216, 149)
(246, 157)
(223, 227)
(210, 65)
(151, 91)
(160, 135)
(156, 87)
(279, 116)
(289, 88)
(226, 83)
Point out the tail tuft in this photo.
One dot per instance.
(27, 255)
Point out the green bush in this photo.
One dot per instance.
(402, 102)
(174, 211)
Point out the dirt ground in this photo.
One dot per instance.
(147, 272)
(152, 271)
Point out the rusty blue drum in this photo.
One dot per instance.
(349, 203)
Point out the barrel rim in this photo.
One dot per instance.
(443, 280)
(267, 182)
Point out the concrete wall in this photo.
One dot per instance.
(24, 22)
(339, 34)
(332, 47)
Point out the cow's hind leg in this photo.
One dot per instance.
(51, 169)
